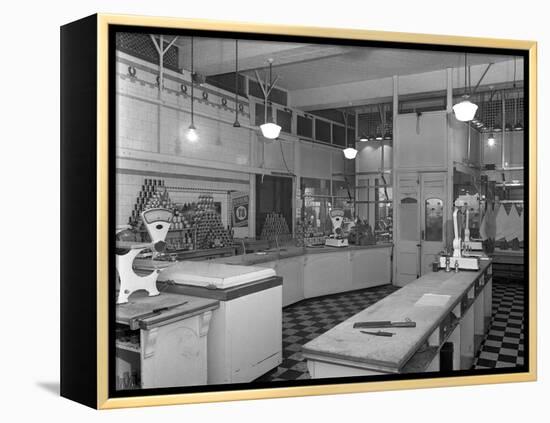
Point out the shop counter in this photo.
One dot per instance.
(162, 341)
(312, 272)
(249, 314)
(447, 307)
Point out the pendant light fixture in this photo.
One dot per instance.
(236, 124)
(518, 126)
(465, 110)
(379, 136)
(363, 137)
(349, 152)
(192, 134)
(270, 130)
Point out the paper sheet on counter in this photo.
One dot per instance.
(432, 300)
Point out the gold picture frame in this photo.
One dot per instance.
(102, 198)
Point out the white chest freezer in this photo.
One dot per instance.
(245, 336)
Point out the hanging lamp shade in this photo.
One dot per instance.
(363, 138)
(379, 136)
(350, 153)
(192, 134)
(270, 130)
(465, 110)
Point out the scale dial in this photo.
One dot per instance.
(157, 215)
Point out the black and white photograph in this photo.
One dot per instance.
(294, 211)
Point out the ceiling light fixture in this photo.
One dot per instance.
(465, 110)
(192, 134)
(349, 152)
(270, 130)
(363, 137)
(236, 124)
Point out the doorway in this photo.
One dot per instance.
(421, 215)
(273, 194)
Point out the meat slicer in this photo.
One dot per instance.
(336, 239)
(157, 222)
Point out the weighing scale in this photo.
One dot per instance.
(336, 239)
(157, 222)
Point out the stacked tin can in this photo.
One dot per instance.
(275, 228)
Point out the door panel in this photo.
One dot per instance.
(433, 217)
(408, 228)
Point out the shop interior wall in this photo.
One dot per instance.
(151, 142)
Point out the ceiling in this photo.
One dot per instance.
(303, 66)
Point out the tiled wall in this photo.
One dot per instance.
(157, 125)
(138, 115)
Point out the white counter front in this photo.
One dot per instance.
(314, 272)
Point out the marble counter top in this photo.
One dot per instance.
(291, 251)
(344, 344)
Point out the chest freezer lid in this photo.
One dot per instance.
(219, 275)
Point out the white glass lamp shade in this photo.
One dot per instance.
(465, 110)
(192, 134)
(350, 153)
(270, 130)
(491, 140)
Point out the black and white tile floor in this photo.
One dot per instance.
(504, 344)
(304, 321)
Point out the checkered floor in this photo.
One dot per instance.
(304, 321)
(308, 319)
(504, 344)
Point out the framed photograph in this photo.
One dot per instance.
(254, 211)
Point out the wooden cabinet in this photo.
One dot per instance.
(370, 267)
(314, 274)
(292, 272)
(245, 338)
(165, 349)
(327, 273)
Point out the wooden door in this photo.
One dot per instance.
(407, 235)
(433, 216)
